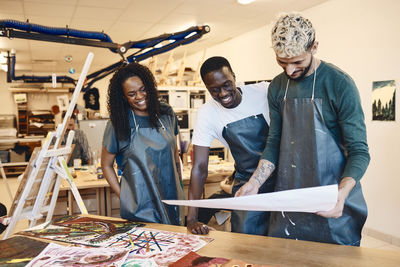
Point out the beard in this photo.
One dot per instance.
(303, 73)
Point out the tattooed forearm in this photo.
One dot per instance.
(263, 171)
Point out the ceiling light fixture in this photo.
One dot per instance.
(244, 2)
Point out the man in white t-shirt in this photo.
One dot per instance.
(238, 118)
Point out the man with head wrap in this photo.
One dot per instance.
(317, 137)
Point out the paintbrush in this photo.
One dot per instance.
(155, 241)
(147, 245)
(130, 239)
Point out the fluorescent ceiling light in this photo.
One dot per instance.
(245, 2)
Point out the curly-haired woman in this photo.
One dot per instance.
(141, 136)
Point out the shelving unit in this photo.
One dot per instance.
(16, 168)
(22, 118)
(186, 100)
(28, 122)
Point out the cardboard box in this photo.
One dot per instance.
(4, 156)
(15, 157)
(178, 99)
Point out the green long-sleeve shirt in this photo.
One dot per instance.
(341, 109)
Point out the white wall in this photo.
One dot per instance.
(7, 105)
(362, 38)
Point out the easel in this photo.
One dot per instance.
(167, 66)
(3, 174)
(181, 70)
(196, 77)
(153, 65)
(39, 184)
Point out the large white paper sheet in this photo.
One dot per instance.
(312, 199)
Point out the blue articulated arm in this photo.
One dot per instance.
(146, 48)
(151, 47)
(33, 78)
(26, 30)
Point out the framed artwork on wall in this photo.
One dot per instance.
(384, 100)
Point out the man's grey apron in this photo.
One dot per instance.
(246, 139)
(309, 156)
(150, 175)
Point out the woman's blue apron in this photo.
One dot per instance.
(150, 175)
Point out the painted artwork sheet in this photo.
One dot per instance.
(82, 230)
(18, 251)
(68, 235)
(57, 255)
(95, 225)
(140, 263)
(163, 247)
(193, 259)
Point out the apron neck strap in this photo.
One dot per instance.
(162, 124)
(315, 76)
(313, 88)
(137, 125)
(134, 120)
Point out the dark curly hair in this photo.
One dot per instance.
(119, 108)
(213, 64)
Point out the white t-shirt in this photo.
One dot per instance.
(212, 116)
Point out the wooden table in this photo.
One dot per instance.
(87, 180)
(285, 252)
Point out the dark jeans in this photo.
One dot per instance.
(3, 212)
(205, 214)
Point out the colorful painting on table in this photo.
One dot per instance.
(67, 235)
(18, 251)
(140, 263)
(56, 255)
(90, 224)
(193, 259)
(82, 230)
(163, 247)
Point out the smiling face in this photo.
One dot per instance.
(299, 66)
(136, 95)
(222, 87)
